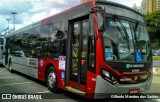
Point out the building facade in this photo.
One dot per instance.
(84, 1)
(143, 7)
(149, 6)
(157, 4)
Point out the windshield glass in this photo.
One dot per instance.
(125, 41)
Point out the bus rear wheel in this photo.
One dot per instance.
(10, 66)
(51, 79)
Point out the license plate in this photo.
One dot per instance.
(133, 91)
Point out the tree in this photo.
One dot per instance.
(153, 25)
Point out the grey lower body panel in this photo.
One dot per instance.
(104, 89)
(1, 61)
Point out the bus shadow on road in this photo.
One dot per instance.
(1, 65)
(29, 78)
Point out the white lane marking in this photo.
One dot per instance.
(5, 73)
(10, 77)
(15, 84)
(3, 68)
(156, 100)
(44, 92)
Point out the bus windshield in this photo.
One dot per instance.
(123, 39)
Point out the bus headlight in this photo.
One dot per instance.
(106, 73)
(108, 76)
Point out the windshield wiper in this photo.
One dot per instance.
(136, 28)
(124, 32)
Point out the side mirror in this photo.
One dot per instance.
(101, 21)
(100, 11)
(19, 54)
(59, 34)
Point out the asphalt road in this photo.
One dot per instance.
(19, 83)
(156, 63)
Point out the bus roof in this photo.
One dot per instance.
(69, 9)
(39, 22)
(117, 4)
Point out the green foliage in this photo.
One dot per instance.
(153, 24)
(156, 57)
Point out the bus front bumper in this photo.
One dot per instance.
(104, 89)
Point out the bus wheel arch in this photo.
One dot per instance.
(51, 78)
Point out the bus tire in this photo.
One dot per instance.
(51, 79)
(10, 66)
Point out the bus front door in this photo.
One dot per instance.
(77, 56)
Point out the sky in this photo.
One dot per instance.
(30, 11)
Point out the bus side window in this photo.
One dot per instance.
(91, 57)
(57, 44)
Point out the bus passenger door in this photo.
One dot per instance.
(77, 55)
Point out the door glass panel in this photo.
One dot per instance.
(84, 59)
(84, 52)
(85, 26)
(75, 51)
(79, 51)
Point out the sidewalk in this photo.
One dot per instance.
(156, 70)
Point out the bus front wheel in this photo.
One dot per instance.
(51, 79)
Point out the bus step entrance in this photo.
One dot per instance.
(74, 90)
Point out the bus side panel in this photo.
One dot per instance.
(43, 66)
(60, 74)
(41, 69)
(91, 82)
(60, 78)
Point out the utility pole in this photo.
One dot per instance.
(8, 19)
(14, 13)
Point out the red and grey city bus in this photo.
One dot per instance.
(93, 48)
